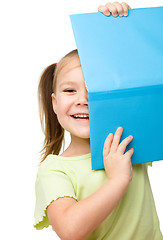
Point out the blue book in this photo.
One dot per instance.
(122, 64)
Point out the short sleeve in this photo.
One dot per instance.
(50, 185)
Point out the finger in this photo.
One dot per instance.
(116, 139)
(107, 145)
(112, 9)
(129, 153)
(124, 3)
(125, 8)
(119, 8)
(104, 10)
(124, 143)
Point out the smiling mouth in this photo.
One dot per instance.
(83, 117)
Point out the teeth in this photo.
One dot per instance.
(81, 115)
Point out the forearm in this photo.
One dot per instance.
(86, 215)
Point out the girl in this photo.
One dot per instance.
(113, 204)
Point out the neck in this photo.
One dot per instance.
(78, 146)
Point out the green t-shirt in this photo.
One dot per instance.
(135, 216)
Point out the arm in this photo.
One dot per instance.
(76, 220)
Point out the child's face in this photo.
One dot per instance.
(71, 98)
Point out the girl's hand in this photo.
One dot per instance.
(115, 8)
(117, 164)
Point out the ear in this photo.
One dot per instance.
(54, 102)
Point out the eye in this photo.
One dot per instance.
(69, 90)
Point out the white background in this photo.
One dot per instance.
(34, 34)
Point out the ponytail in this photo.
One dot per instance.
(53, 131)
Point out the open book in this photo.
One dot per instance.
(122, 64)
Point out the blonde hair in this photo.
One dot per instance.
(53, 131)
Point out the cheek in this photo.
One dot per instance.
(63, 106)
(63, 110)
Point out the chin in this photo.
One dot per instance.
(86, 136)
(83, 136)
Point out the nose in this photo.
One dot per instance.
(82, 98)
